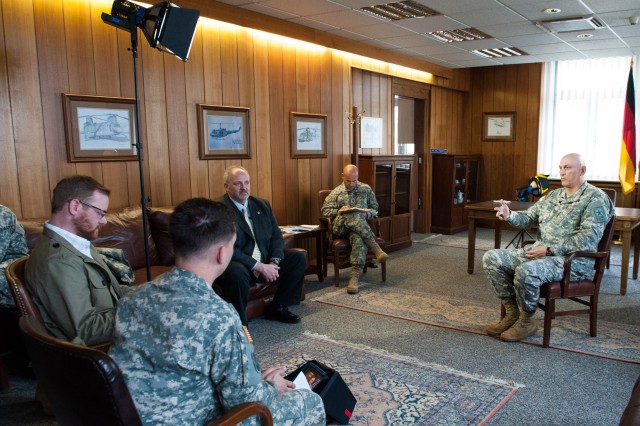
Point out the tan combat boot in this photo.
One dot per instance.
(381, 256)
(354, 278)
(524, 327)
(510, 318)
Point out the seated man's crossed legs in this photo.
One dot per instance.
(362, 239)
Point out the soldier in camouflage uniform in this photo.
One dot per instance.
(183, 351)
(569, 219)
(12, 246)
(348, 207)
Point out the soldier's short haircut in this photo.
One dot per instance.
(198, 223)
(75, 187)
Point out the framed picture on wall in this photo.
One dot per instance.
(499, 126)
(99, 128)
(308, 135)
(223, 132)
(371, 132)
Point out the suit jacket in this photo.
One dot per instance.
(268, 234)
(75, 295)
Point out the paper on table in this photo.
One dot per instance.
(301, 382)
(310, 227)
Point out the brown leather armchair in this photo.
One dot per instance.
(85, 386)
(15, 277)
(584, 292)
(338, 250)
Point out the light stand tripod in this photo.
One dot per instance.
(519, 238)
(144, 199)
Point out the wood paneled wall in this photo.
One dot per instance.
(371, 94)
(52, 47)
(506, 165)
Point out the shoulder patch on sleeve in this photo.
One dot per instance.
(600, 214)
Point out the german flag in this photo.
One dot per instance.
(627, 172)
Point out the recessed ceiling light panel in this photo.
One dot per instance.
(399, 10)
(500, 52)
(552, 10)
(464, 34)
(585, 35)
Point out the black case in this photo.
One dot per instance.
(338, 400)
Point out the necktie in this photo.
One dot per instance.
(256, 251)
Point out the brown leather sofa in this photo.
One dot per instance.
(124, 231)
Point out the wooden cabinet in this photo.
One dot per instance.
(393, 180)
(454, 184)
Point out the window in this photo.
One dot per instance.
(582, 110)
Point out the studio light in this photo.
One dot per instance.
(167, 28)
(538, 186)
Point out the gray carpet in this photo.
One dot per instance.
(560, 388)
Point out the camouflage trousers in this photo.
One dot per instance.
(356, 228)
(298, 407)
(513, 276)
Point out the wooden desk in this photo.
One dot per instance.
(318, 234)
(626, 221)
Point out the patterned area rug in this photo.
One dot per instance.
(393, 389)
(614, 341)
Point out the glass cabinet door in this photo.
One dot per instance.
(403, 187)
(383, 181)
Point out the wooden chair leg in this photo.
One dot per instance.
(549, 310)
(336, 272)
(384, 272)
(593, 316)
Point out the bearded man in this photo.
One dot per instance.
(70, 283)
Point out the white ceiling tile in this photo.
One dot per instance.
(608, 53)
(411, 41)
(598, 44)
(345, 19)
(518, 60)
(312, 24)
(512, 29)
(489, 43)
(479, 62)
(564, 56)
(633, 41)
(381, 31)
(549, 48)
(534, 10)
(356, 4)
(436, 49)
(431, 23)
(530, 40)
(509, 22)
(448, 7)
(349, 34)
(269, 11)
(485, 17)
(600, 6)
(304, 8)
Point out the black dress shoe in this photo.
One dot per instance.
(282, 314)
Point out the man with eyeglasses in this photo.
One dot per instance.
(69, 281)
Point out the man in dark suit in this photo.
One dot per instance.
(258, 253)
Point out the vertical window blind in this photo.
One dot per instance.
(582, 111)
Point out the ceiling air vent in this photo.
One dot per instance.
(399, 10)
(572, 24)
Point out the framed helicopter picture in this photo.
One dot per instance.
(99, 128)
(308, 135)
(223, 132)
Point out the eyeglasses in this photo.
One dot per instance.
(101, 213)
